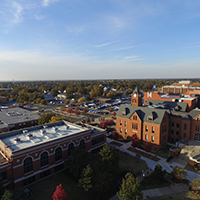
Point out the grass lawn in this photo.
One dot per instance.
(178, 196)
(116, 143)
(43, 190)
(164, 152)
(155, 158)
(131, 163)
(189, 167)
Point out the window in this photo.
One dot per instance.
(44, 159)
(97, 140)
(125, 131)
(184, 135)
(134, 126)
(146, 128)
(153, 129)
(134, 117)
(120, 130)
(177, 132)
(196, 127)
(29, 180)
(125, 123)
(150, 118)
(58, 154)
(172, 123)
(3, 175)
(82, 144)
(177, 125)
(152, 138)
(45, 174)
(28, 165)
(146, 137)
(120, 122)
(172, 132)
(185, 126)
(58, 168)
(70, 149)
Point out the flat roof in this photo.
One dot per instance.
(16, 115)
(165, 96)
(30, 137)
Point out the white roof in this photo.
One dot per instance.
(45, 134)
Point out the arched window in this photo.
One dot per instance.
(44, 159)
(82, 144)
(58, 154)
(70, 149)
(28, 165)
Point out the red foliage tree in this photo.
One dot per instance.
(110, 109)
(77, 110)
(114, 114)
(135, 141)
(85, 110)
(147, 147)
(105, 124)
(70, 110)
(60, 193)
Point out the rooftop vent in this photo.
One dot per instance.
(55, 128)
(30, 135)
(17, 140)
(43, 131)
(66, 127)
(44, 126)
(25, 131)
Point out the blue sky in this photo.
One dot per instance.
(93, 39)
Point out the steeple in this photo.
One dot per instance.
(136, 97)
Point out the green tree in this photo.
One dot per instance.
(86, 178)
(130, 188)
(195, 184)
(8, 195)
(45, 118)
(108, 159)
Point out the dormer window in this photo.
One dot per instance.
(134, 117)
(150, 118)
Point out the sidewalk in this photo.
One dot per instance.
(177, 188)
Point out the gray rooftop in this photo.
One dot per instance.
(10, 116)
(143, 112)
(173, 106)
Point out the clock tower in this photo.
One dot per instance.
(136, 97)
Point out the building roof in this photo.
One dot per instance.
(136, 90)
(48, 97)
(144, 113)
(30, 137)
(181, 98)
(194, 113)
(10, 116)
(173, 106)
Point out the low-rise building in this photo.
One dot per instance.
(32, 154)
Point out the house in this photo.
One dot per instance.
(29, 155)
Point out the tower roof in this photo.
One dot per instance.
(137, 91)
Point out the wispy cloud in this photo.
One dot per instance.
(46, 3)
(103, 45)
(133, 58)
(128, 47)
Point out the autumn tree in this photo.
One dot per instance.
(8, 195)
(130, 188)
(70, 111)
(77, 110)
(60, 193)
(179, 173)
(147, 147)
(85, 111)
(85, 180)
(135, 141)
(195, 184)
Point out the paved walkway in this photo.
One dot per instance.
(178, 188)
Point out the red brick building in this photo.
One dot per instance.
(158, 122)
(32, 154)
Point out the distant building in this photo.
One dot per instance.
(31, 154)
(158, 122)
(16, 118)
(48, 97)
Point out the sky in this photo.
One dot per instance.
(99, 39)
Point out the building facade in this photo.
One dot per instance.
(32, 154)
(158, 122)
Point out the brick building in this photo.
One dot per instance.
(32, 154)
(158, 122)
(16, 118)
